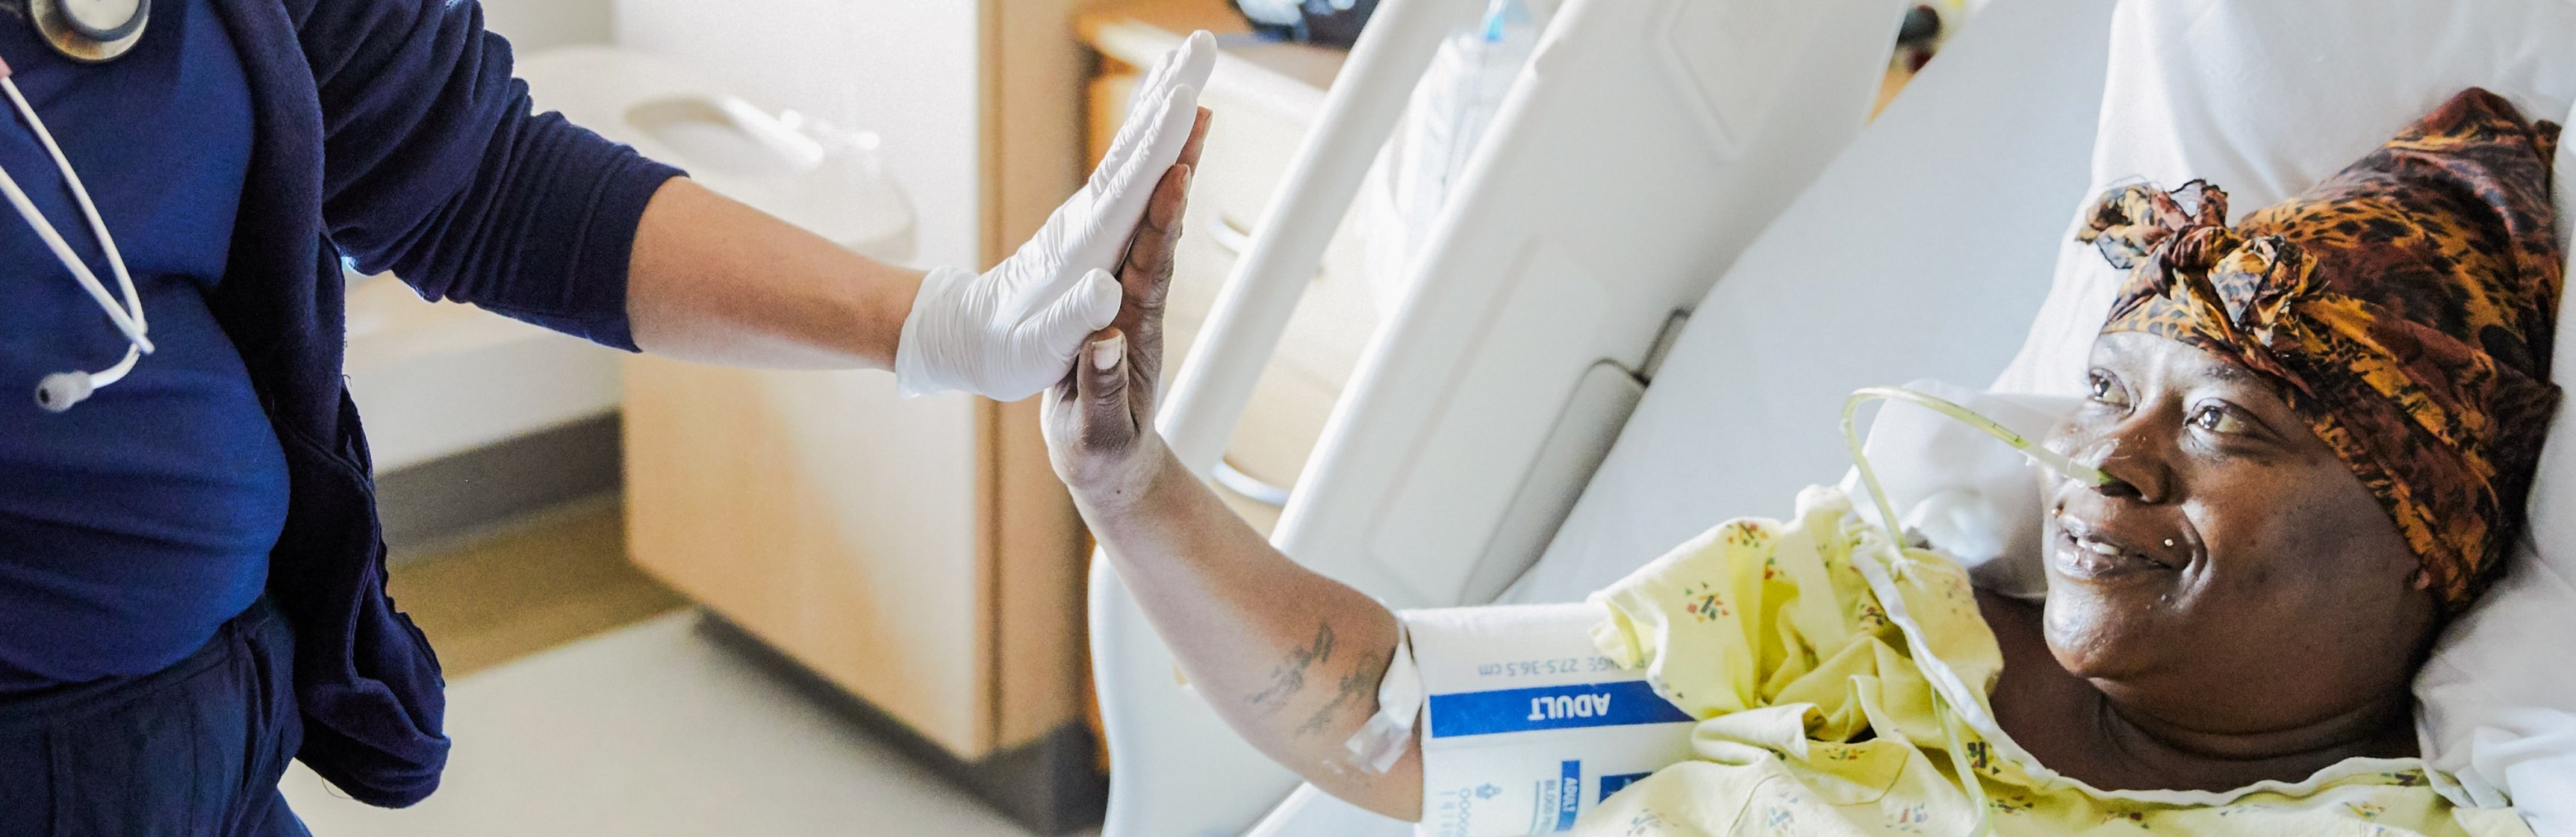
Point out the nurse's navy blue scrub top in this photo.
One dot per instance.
(136, 524)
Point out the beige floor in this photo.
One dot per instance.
(552, 579)
(584, 701)
(651, 731)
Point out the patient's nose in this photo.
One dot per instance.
(2118, 487)
(2133, 477)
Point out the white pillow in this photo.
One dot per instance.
(2266, 98)
(2502, 681)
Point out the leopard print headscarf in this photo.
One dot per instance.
(2405, 307)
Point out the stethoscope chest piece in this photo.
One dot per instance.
(90, 30)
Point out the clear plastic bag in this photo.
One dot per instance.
(1429, 151)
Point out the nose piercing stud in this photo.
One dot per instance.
(2168, 543)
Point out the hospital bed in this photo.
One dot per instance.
(1676, 253)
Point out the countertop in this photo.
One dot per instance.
(1137, 32)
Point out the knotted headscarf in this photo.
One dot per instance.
(2405, 307)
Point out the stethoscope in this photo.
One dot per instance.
(88, 31)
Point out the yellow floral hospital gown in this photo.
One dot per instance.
(1785, 639)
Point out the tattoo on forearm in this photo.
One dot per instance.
(1355, 686)
(1290, 677)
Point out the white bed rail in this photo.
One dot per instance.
(1176, 770)
(1650, 142)
(1252, 310)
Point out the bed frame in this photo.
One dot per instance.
(1648, 143)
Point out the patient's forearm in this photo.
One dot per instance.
(1289, 658)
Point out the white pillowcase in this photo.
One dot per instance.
(2266, 98)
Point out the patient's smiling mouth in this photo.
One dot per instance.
(2083, 551)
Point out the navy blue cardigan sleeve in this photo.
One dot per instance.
(434, 169)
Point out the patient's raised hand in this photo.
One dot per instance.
(1099, 421)
(1254, 632)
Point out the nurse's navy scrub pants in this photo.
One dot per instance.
(194, 749)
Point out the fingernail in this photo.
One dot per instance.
(1106, 353)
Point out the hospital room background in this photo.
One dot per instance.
(680, 600)
(676, 599)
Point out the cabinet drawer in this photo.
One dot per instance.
(829, 518)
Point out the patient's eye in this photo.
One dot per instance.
(2105, 389)
(2218, 418)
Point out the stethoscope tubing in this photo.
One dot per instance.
(58, 392)
(128, 313)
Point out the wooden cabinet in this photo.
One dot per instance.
(839, 525)
(918, 555)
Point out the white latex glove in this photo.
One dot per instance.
(1011, 332)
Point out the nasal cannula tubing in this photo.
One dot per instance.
(2046, 458)
(2039, 454)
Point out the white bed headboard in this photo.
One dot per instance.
(1647, 146)
(1922, 252)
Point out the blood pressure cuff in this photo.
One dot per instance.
(1526, 725)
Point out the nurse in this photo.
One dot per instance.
(191, 571)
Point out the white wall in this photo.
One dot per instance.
(905, 69)
(537, 24)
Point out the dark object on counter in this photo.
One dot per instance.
(1918, 38)
(1334, 23)
(1922, 27)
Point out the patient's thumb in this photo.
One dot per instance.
(1102, 374)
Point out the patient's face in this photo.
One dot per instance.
(2243, 569)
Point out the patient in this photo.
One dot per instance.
(2323, 424)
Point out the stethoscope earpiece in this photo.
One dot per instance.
(59, 391)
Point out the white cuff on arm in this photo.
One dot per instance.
(1527, 725)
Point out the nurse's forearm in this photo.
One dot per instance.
(715, 281)
(1289, 658)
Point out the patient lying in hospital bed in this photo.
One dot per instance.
(2322, 425)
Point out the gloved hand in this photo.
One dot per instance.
(1013, 331)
